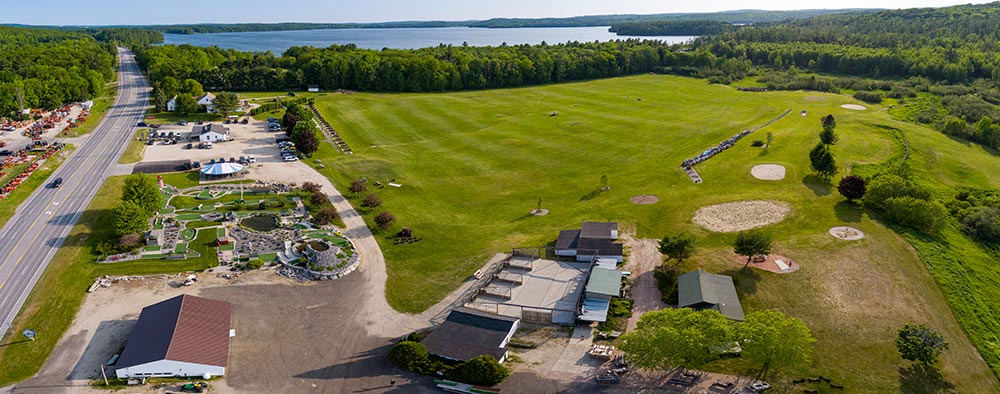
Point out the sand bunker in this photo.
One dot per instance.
(847, 233)
(740, 215)
(854, 107)
(644, 199)
(768, 172)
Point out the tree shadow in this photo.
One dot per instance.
(819, 186)
(763, 152)
(109, 338)
(920, 378)
(848, 211)
(590, 196)
(745, 279)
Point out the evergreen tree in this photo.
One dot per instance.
(822, 161)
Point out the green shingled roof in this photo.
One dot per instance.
(702, 290)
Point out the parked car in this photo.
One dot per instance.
(141, 124)
(243, 160)
(232, 159)
(196, 164)
(251, 159)
(4, 152)
(57, 182)
(188, 146)
(150, 141)
(183, 122)
(155, 126)
(210, 162)
(290, 158)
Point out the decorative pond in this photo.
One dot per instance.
(261, 223)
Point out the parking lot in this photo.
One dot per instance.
(246, 139)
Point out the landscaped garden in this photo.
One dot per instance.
(472, 165)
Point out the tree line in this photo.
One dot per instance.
(438, 68)
(673, 28)
(43, 68)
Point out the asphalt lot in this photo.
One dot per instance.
(38, 228)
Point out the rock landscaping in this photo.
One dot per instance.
(847, 233)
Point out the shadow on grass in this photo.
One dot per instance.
(848, 211)
(818, 185)
(745, 279)
(919, 378)
(592, 195)
(14, 342)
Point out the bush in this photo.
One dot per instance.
(482, 370)
(311, 188)
(887, 186)
(922, 215)
(255, 264)
(852, 187)
(130, 240)
(318, 198)
(384, 220)
(983, 224)
(371, 201)
(326, 216)
(666, 281)
(620, 307)
(358, 186)
(869, 97)
(408, 354)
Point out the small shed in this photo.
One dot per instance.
(702, 290)
(313, 88)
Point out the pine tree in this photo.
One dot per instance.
(822, 161)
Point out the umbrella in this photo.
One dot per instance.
(222, 169)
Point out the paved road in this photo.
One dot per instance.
(38, 228)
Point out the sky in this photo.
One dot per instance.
(146, 12)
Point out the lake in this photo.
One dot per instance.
(402, 38)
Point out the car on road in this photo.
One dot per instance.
(142, 124)
(57, 182)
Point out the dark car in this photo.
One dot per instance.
(221, 160)
(141, 124)
(149, 142)
(196, 164)
(232, 159)
(57, 182)
(4, 152)
(210, 162)
(242, 160)
(155, 126)
(186, 166)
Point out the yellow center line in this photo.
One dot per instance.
(126, 97)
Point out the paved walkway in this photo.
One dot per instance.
(574, 364)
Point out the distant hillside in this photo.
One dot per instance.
(734, 17)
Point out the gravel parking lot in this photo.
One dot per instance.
(247, 139)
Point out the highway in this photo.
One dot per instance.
(31, 237)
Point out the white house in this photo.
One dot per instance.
(172, 104)
(182, 336)
(207, 102)
(592, 240)
(210, 133)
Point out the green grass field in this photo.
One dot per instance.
(134, 151)
(473, 164)
(55, 299)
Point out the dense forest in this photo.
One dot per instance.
(945, 62)
(429, 69)
(673, 28)
(47, 68)
(732, 17)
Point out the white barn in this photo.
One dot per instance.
(210, 133)
(182, 336)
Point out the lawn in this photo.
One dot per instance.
(37, 179)
(134, 151)
(55, 299)
(472, 165)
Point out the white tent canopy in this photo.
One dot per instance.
(222, 169)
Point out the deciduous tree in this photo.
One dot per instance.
(128, 218)
(752, 243)
(683, 337)
(384, 220)
(143, 191)
(186, 104)
(919, 343)
(358, 186)
(226, 102)
(772, 339)
(482, 370)
(852, 187)
(371, 201)
(678, 246)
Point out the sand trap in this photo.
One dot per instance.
(854, 107)
(847, 233)
(768, 172)
(740, 215)
(644, 199)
